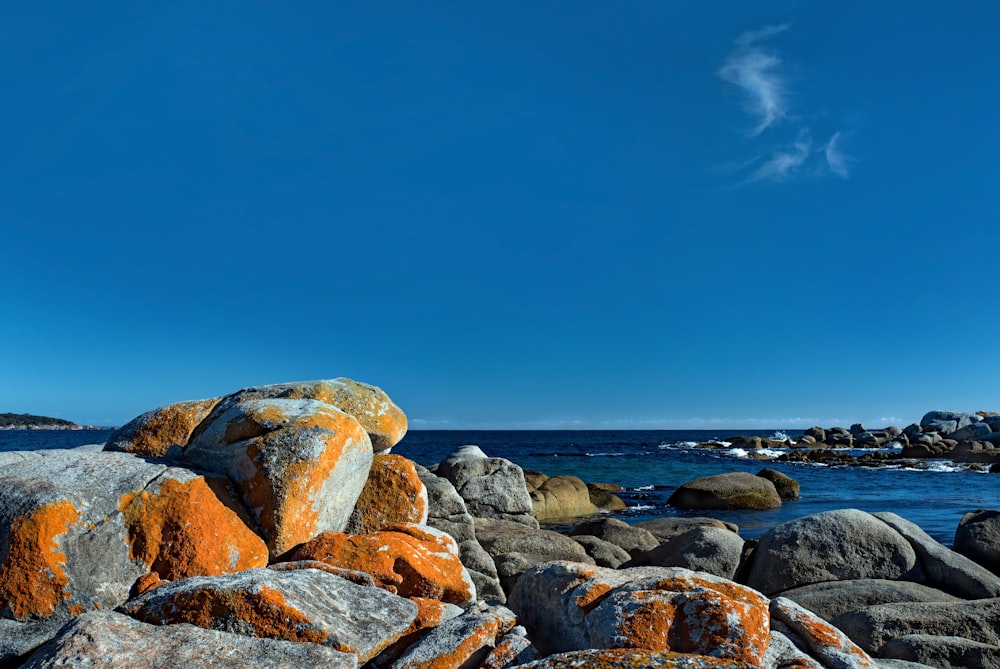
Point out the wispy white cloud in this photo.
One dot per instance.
(756, 73)
(751, 36)
(783, 164)
(836, 159)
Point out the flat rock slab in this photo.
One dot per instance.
(108, 640)
(304, 605)
(829, 600)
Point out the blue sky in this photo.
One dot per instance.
(644, 214)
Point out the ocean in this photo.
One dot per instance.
(650, 464)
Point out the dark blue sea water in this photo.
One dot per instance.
(651, 464)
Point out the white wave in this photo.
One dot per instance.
(603, 455)
(645, 487)
(780, 436)
(641, 507)
(769, 453)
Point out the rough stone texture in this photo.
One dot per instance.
(516, 548)
(155, 432)
(735, 490)
(978, 538)
(829, 645)
(461, 641)
(299, 465)
(873, 626)
(446, 511)
(626, 658)
(562, 497)
(707, 549)
(107, 640)
(944, 568)
(665, 529)
(837, 545)
(570, 606)
(491, 487)
(408, 560)
(787, 487)
(305, 605)
(352, 575)
(17, 639)
(782, 653)
(514, 649)
(602, 496)
(943, 651)
(829, 600)
(384, 422)
(633, 539)
(604, 553)
(392, 494)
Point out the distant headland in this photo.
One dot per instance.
(26, 421)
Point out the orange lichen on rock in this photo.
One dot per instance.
(627, 658)
(488, 629)
(408, 560)
(147, 582)
(32, 578)
(392, 494)
(155, 432)
(181, 529)
(592, 595)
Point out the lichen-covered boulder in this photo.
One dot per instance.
(491, 487)
(460, 642)
(409, 560)
(78, 528)
(304, 605)
(569, 606)
(512, 650)
(155, 432)
(392, 494)
(108, 640)
(735, 490)
(299, 465)
(829, 546)
(828, 644)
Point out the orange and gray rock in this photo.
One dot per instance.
(155, 432)
(829, 645)
(627, 658)
(459, 642)
(392, 494)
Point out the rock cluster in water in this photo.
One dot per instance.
(274, 527)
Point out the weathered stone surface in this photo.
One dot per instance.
(514, 649)
(971, 432)
(155, 432)
(845, 544)
(633, 539)
(943, 651)
(570, 606)
(516, 548)
(299, 465)
(491, 487)
(384, 422)
(604, 553)
(735, 490)
(562, 497)
(447, 512)
(782, 653)
(628, 658)
(305, 605)
(392, 494)
(352, 575)
(829, 600)
(787, 487)
(978, 538)
(932, 419)
(18, 639)
(665, 529)
(825, 642)
(461, 641)
(944, 568)
(707, 549)
(407, 559)
(430, 614)
(873, 626)
(108, 640)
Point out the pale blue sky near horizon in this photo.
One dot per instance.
(593, 215)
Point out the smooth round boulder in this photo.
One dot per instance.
(978, 538)
(787, 487)
(735, 490)
(665, 529)
(830, 546)
(562, 497)
(707, 549)
(633, 539)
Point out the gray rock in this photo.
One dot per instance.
(665, 529)
(943, 651)
(787, 487)
(941, 426)
(297, 605)
(831, 599)
(782, 653)
(17, 640)
(872, 627)
(605, 553)
(491, 487)
(828, 644)
(892, 663)
(836, 545)
(978, 538)
(463, 641)
(447, 512)
(632, 539)
(707, 549)
(736, 490)
(960, 419)
(513, 650)
(108, 640)
(516, 548)
(971, 432)
(629, 658)
(944, 568)
(993, 422)
(858, 429)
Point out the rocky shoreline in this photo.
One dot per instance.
(275, 527)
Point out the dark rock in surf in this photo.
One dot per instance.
(787, 487)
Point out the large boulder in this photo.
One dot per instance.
(409, 560)
(665, 529)
(491, 487)
(108, 640)
(562, 497)
(446, 511)
(825, 642)
(568, 606)
(635, 540)
(707, 549)
(947, 421)
(157, 431)
(787, 487)
(299, 465)
(463, 641)
(978, 538)
(829, 546)
(392, 494)
(78, 528)
(304, 605)
(604, 553)
(971, 432)
(735, 490)
(831, 599)
(516, 548)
